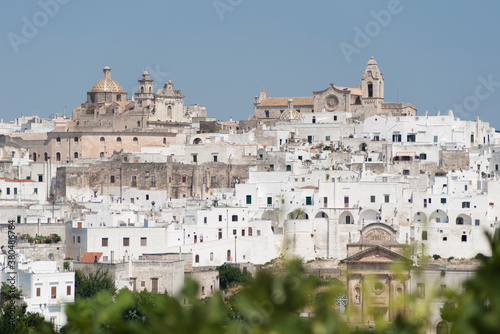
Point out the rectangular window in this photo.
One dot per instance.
(406, 172)
(396, 137)
(376, 138)
(266, 112)
(134, 181)
(310, 139)
(308, 200)
(15, 191)
(195, 158)
(411, 138)
(234, 218)
(346, 201)
(112, 179)
(153, 180)
(35, 191)
(269, 201)
(78, 239)
(243, 233)
(372, 199)
(38, 292)
(421, 290)
(126, 241)
(386, 198)
(271, 167)
(334, 118)
(234, 232)
(327, 138)
(8, 191)
(68, 290)
(435, 139)
(424, 235)
(215, 158)
(214, 180)
(472, 138)
(249, 199)
(443, 200)
(104, 242)
(465, 205)
(40, 177)
(464, 238)
(53, 292)
(288, 168)
(154, 285)
(144, 241)
(423, 156)
(220, 218)
(183, 179)
(477, 222)
(147, 197)
(300, 157)
(204, 220)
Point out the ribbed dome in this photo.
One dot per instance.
(290, 114)
(106, 84)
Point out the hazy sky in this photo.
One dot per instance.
(439, 55)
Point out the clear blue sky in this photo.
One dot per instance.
(439, 53)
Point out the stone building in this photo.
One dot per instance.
(365, 100)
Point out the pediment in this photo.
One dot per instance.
(376, 254)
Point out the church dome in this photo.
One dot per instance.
(106, 84)
(290, 114)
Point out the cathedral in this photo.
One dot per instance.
(359, 103)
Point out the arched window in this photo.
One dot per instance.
(76, 139)
(102, 139)
(135, 141)
(102, 155)
(211, 256)
(75, 155)
(58, 156)
(442, 328)
(34, 156)
(370, 90)
(118, 97)
(228, 259)
(164, 141)
(150, 90)
(46, 156)
(58, 139)
(119, 140)
(169, 111)
(142, 89)
(197, 259)
(460, 221)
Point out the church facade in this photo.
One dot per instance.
(359, 103)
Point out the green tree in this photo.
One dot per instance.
(87, 286)
(230, 276)
(13, 316)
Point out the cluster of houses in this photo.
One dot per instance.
(153, 190)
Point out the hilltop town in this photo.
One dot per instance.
(155, 190)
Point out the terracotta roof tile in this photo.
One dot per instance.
(89, 257)
(283, 101)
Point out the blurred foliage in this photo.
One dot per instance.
(13, 316)
(291, 302)
(87, 286)
(230, 276)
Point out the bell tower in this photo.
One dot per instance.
(372, 84)
(145, 95)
